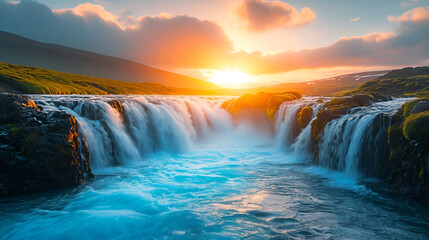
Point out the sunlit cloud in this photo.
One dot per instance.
(414, 15)
(354, 20)
(191, 43)
(261, 15)
(87, 10)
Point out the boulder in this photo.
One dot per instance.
(409, 150)
(352, 101)
(117, 106)
(275, 101)
(39, 150)
(259, 101)
(305, 116)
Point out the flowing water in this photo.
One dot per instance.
(182, 168)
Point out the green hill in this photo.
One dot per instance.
(34, 80)
(405, 86)
(23, 51)
(407, 72)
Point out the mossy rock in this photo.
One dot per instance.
(115, 104)
(305, 116)
(415, 106)
(275, 101)
(17, 131)
(416, 129)
(352, 101)
(259, 101)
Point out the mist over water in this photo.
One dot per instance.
(183, 168)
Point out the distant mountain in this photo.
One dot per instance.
(23, 51)
(407, 72)
(328, 86)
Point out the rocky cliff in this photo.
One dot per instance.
(39, 150)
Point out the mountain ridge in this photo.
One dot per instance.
(24, 51)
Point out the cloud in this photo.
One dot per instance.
(262, 15)
(418, 14)
(179, 41)
(409, 45)
(187, 42)
(88, 9)
(354, 20)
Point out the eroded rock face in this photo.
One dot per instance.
(339, 106)
(276, 100)
(117, 106)
(262, 102)
(39, 150)
(409, 149)
(305, 116)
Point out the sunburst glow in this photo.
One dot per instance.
(230, 78)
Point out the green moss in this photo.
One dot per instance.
(355, 100)
(33, 138)
(10, 125)
(16, 131)
(408, 106)
(305, 116)
(416, 128)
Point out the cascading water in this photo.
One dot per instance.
(146, 124)
(355, 142)
(288, 134)
(217, 180)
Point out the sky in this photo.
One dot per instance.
(259, 42)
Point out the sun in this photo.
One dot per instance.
(229, 78)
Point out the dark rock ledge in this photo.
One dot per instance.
(39, 150)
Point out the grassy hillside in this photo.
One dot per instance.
(34, 80)
(406, 86)
(407, 72)
(18, 50)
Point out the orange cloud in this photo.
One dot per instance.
(414, 15)
(261, 15)
(188, 42)
(88, 9)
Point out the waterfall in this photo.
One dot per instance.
(137, 126)
(356, 144)
(145, 125)
(288, 134)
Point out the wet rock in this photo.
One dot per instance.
(276, 100)
(117, 106)
(248, 102)
(409, 150)
(352, 101)
(39, 151)
(268, 103)
(305, 116)
(420, 106)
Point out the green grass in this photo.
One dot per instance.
(34, 80)
(416, 128)
(417, 86)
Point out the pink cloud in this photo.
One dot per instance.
(414, 15)
(261, 15)
(87, 9)
(188, 42)
(354, 20)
